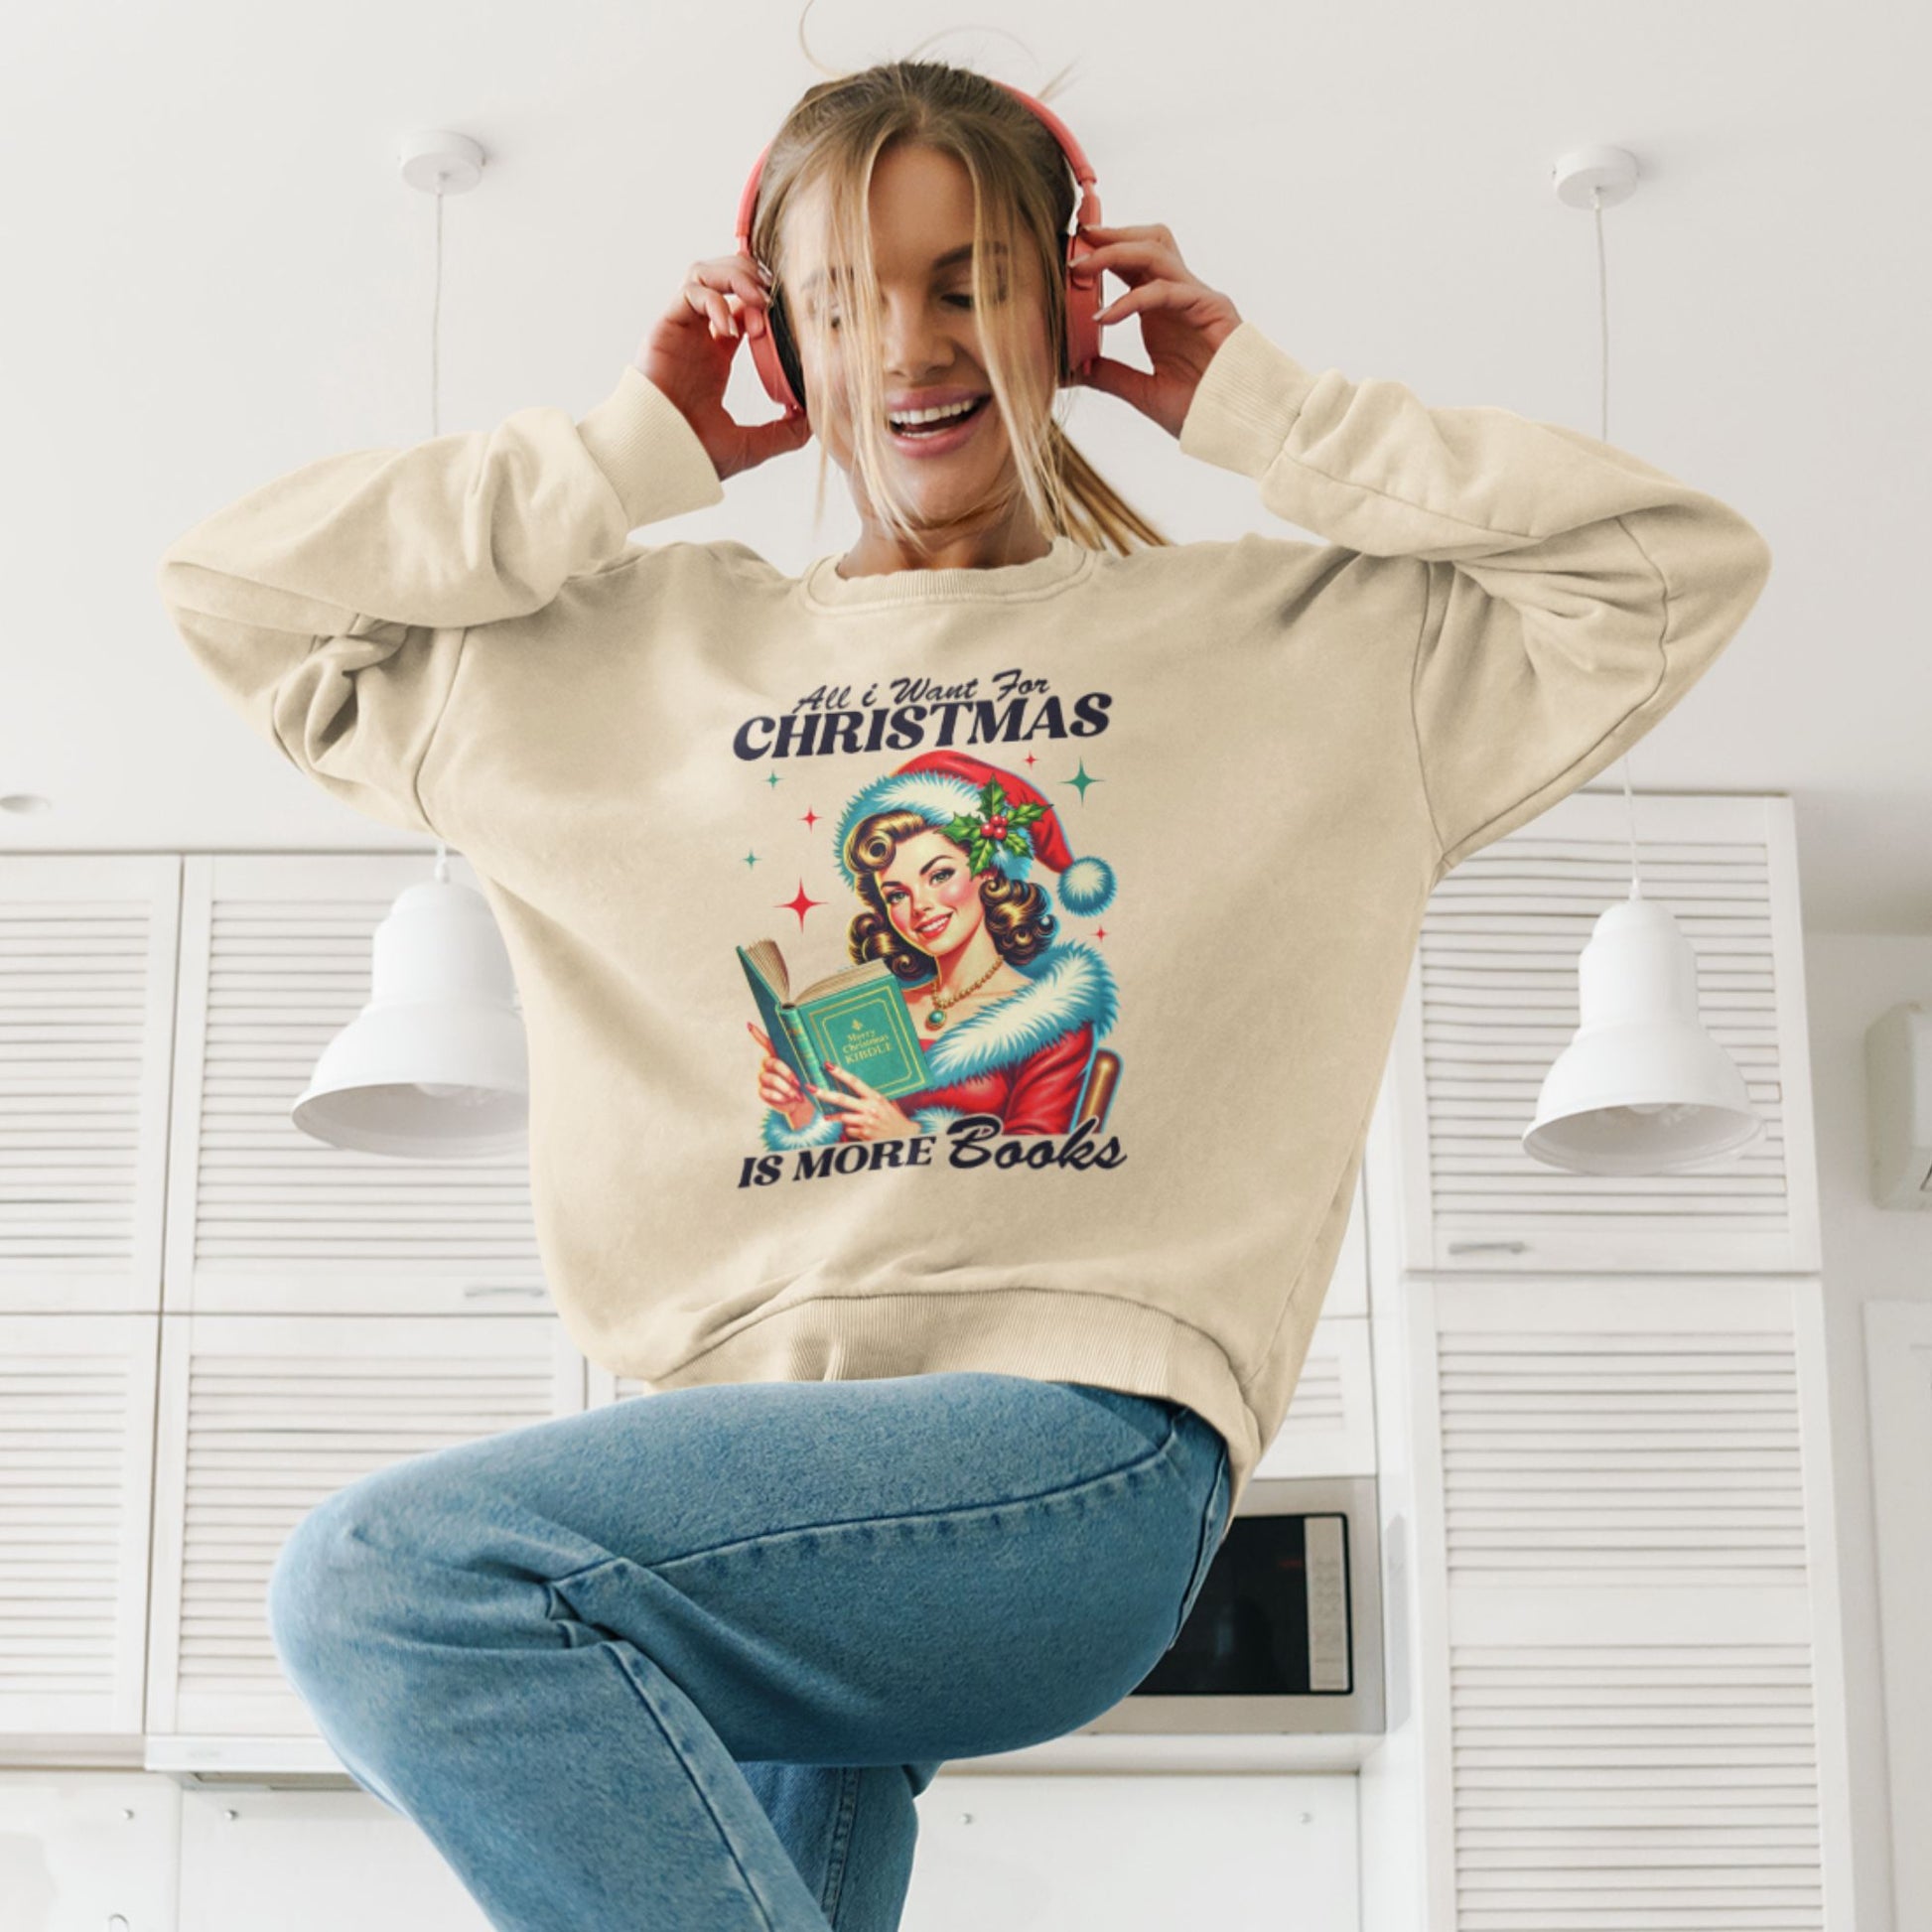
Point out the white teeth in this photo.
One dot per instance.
(936, 415)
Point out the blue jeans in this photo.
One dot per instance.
(684, 1662)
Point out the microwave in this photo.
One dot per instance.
(1286, 1633)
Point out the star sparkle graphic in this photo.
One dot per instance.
(800, 902)
(1082, 781)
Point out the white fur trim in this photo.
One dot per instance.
(1071, 984)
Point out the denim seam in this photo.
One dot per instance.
(1161, 1452)
(697, 1783)
(1202, 1554)
(828, 1900)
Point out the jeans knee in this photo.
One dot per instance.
(313, 1584)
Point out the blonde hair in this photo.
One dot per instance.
(1023, 196)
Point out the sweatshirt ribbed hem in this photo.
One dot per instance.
(1030, 1331)
(639, 438)
(1245, 403)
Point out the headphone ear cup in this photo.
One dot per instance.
(1083, 305)
(776, 358)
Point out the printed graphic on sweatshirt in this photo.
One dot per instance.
(936, 1006)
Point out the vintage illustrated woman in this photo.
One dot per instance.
(1008, 1013)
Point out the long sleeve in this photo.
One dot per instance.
(1566, 596)
(330, 605)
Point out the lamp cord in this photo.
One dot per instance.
(435, 423)
(1604, 434)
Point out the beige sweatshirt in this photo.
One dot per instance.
(1157, 830)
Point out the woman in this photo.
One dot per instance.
(937, 1448)
(688, 1661)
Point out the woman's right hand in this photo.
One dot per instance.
(689, 356)
(778, 1085)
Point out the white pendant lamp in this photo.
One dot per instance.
(1642, 1087)
(436, 1065)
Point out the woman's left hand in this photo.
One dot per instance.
(1183, 321)
(867, 1115)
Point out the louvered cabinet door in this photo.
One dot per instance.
(276, 958)
(1330, 1428)
(87, 1004)
(1493, 1002)
(1632, 1683)
(262, 1416)
(77, 1434)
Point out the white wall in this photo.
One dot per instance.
(1870, 1253)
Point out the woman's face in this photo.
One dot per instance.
(921, 213)
(931, 893)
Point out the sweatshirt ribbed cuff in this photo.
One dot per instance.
(639, 437)
(1245, 403)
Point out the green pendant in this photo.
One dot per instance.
(935, 1019)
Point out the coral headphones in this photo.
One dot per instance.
(770, 347)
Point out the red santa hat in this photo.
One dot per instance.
(996, 816)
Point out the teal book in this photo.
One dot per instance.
(855, 1018)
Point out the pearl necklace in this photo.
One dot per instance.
(937, 1016)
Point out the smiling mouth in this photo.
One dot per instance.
(912, 432)
(927, 932)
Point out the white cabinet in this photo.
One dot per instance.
(89, 947)
(1898, 1372)
(1631, 1688)
(1330, 1428)
(1615, 1649)
(262, 1416)
(254, 1860)
(275, 962)
(1052, 1854)
(1493, 1002)
(76, 1414)
(91, 1852)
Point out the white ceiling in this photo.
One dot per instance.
(214, 275)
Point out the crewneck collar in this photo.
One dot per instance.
(1065, 564)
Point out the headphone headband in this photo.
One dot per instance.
(1082, 331)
